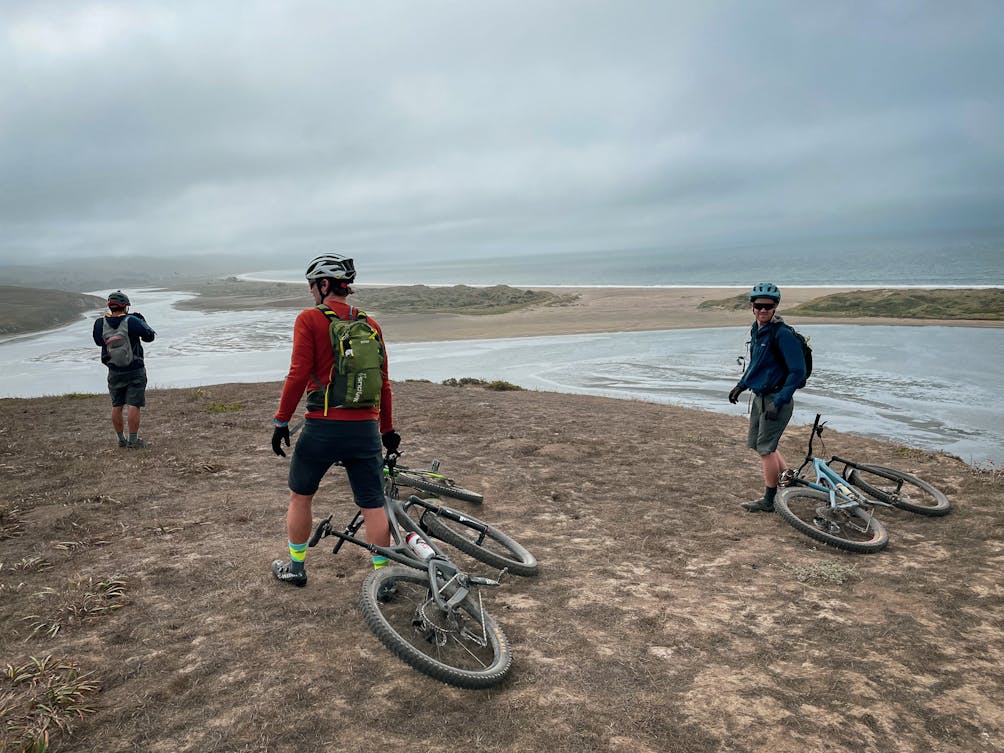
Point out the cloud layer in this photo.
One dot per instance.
(447, 129)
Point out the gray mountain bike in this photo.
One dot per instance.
(424, 608)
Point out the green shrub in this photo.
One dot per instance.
(498, 385)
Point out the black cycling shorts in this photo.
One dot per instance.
(354, 444)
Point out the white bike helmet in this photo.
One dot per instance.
(331, 266)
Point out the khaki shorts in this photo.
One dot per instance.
(764, 435)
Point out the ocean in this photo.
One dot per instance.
(925, 386)
(970, 265)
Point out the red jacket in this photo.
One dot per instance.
(313, 357)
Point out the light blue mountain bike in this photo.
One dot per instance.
(836, 508)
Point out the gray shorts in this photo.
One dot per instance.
(354, 444)
(764, 435)
(127, 387)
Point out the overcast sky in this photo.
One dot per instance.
(453, 129)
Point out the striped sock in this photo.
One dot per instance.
(380, 561)
(297, 555)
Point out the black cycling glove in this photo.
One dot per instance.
(770, 410)
(734, 393)
(391, 440)
(278, 434)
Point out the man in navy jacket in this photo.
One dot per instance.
(776, 370)
(126, 383)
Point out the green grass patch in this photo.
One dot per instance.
(497, 385)
(224, 407)
(74, 603)
(40, 698)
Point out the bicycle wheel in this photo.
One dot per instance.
(442, 487)
(483, 542)
(852, 529)
(463, 647)
(899, 489)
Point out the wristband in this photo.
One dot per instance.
(281, 423)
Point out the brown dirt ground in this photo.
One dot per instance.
(663, 619)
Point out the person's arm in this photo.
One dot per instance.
(99, 325)
(300, 363)
(386, 394)
(794, 362)
(139, 327)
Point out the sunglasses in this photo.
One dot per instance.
(764, 306)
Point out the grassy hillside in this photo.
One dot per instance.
(233, 294)
(26, 309)
(971, 304)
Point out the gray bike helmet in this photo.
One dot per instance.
(331, 266)
(118, 300)
(765, 290)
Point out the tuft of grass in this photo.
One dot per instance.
(989, 472)
(31, 565)
(75, 603)
(77, 396)
(498, 385)
(826, 573)
(39, 698)
(224, 407)
(11, 524)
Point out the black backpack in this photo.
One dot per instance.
(806, 351)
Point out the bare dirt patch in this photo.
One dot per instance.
(664, 618)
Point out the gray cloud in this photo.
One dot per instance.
(442, 128)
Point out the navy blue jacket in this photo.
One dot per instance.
(138, 330)
(768, 373)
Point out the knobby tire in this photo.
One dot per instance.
(439, 488)
(808, 511)
(455, 658)
(496, 548)
(903, 490)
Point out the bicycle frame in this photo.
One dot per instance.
(442, 571)
(842, 495)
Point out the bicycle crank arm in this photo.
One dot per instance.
(323, 529)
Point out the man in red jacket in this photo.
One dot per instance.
(350, 436)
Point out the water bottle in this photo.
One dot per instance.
(418, 545)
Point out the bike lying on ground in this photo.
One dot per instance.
(480, 540)
(836, 509)
(434, 482)
(424, 608)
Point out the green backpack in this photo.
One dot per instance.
(357, 375)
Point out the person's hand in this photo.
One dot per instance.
(734, 394)
(281, 432)
(770, 410)
(391, 440)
